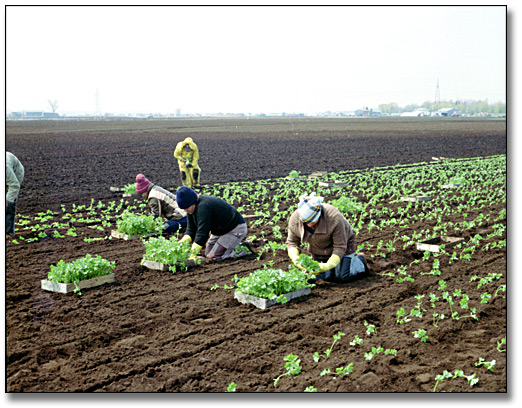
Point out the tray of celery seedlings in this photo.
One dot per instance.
(168, 254)
(86, 272)
(130, 190)
(267, 287)
(136, 226)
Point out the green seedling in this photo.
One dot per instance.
(490, 365)
(231, 387)
(292, 367)
(500, 343)
(370, 328)
(357, 341)
(342, 371)
(327, 353)
(420, 334)
(374, 351)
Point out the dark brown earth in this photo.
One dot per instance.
(156, 331)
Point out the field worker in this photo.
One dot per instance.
(14, 175)
(329, 237)
(163, 204)
(214, 222)
(187, 154)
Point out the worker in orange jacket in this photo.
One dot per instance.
(187, 154)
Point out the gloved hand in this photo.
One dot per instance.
(332, 262)
(195, 251)
(293, 253)
(186, 238)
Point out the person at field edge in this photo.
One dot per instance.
(187, 153)
(163, 204)
(14, 175)
(213, 222)
(329, 237)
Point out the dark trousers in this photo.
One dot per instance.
(344, 271)
(173, 226)
(10, 213)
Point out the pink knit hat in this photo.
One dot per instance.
(142, 184)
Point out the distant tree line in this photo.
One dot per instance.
(469, 107)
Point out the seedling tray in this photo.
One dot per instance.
(296, 178)
(333, 184)
(121, 235)
(438, 158)
(70, 287)
(262, 303)
(452, 185)
(416, 198)
(251, 217)
(116, 189)
(434, 244)
(158, 266)
(317, 174)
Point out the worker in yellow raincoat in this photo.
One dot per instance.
(187, 154)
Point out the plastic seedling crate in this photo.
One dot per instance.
(317, 174)
(296, 178)
(251, 217)
(452, 185)
(434, 244)
(70, 287)
(121, 235)
(416, 198)
(158, 266)
(437, 158)
(263, 303)
(116, 189)
(332, 184)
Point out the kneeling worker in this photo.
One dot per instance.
(163, 204)
(214, 222)
(330, 239)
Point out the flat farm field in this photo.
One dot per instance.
(421, 321)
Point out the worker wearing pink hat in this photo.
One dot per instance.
(163, 204)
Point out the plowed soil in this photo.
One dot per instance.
(155, 331)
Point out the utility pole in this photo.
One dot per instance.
(98, 110)
(437, 93)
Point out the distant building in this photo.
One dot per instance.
(448, 112)
(34, 114)
(415, 114)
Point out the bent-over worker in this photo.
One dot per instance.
(187, 153)
(213, 222)
(14, 175)
(162, 204)
(330, 238)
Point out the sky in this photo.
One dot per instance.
(296, 59)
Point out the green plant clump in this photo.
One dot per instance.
(348, 206)
(166, 251)
(88, 267)
(130, 188)
(270, 283)
(136, 224)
